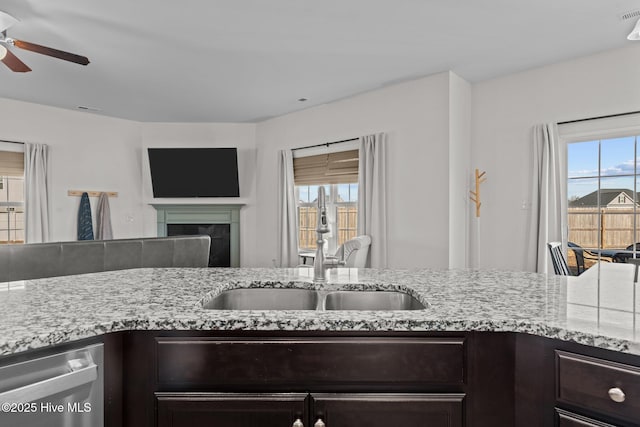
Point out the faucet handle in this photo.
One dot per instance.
(332, 261)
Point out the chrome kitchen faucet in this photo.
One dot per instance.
(322, 263)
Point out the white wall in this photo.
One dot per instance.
(241, 136)
(428, 125)
(88, 152)
(415, 116)
(91, 152)
(504, 111)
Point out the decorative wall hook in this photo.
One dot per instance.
(475, 195)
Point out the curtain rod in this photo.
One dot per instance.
(600, 117)
(326, 144)
(12, 142)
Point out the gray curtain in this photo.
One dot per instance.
(287, 212)
(36, 198)
(372, 197)
(104, 231)
(547, 221)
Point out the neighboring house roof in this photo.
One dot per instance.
(608, 196)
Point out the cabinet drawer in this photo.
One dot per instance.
(351, 363)
(568, 419)
(586, 382)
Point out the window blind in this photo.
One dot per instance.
(11, 163)
(331, 168)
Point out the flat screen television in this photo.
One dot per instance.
(194, 172)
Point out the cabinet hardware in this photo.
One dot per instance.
(616, 394)
(298, 423)
(319, 423)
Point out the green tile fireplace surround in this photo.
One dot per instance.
(203, 214)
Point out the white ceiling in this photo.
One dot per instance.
(247, 60)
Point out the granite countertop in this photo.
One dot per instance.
(44, 312)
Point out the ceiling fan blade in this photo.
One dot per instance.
(60, 54)
(14, 63)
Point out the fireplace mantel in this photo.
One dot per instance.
(202, 214)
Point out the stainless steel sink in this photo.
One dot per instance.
(265, 299)
(371, 300)
(307, 299)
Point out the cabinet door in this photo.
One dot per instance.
(384, 410)
(230, 409)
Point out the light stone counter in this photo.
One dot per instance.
(40, 313)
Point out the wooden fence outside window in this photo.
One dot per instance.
(614, 227)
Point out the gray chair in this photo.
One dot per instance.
(582, 255)
(560, 265)
(354, 251)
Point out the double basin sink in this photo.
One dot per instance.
(308, 299)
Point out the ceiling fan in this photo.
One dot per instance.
(13, 62)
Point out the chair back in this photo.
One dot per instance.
(560, 265)
(354, 252)
(579, 254)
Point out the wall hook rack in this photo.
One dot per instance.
(475, 195)
(78, 193)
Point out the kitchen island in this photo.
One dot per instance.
(45, 312)
(491, 347)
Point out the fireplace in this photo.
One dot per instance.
(220, 222)
(220, 251)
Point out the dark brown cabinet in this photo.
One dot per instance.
(384, 410)
(230, 410)
(470, 379)
(284, 409)
(368, 363)
(191, 380)
(603, 387)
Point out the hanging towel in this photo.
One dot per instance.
(85, 225)
(103, 218)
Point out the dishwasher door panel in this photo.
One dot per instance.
(62, 390)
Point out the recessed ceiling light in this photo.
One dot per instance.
(635, 34)
(302, 99)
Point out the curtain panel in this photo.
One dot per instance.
(287, 212)
(372, 197)
(36, 198)
(547, 221)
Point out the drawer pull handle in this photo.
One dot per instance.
(319, 423)
(616, 394)
(298, 423)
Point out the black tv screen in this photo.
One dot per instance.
(194, 172)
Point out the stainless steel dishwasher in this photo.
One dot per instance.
(61, 390)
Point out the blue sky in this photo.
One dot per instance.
(617, 160)
(348, 192)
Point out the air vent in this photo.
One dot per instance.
(86, 108)
(632, 14)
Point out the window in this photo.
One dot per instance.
(338, 173)
(603, 181)
(11, 197)
(342, 208)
